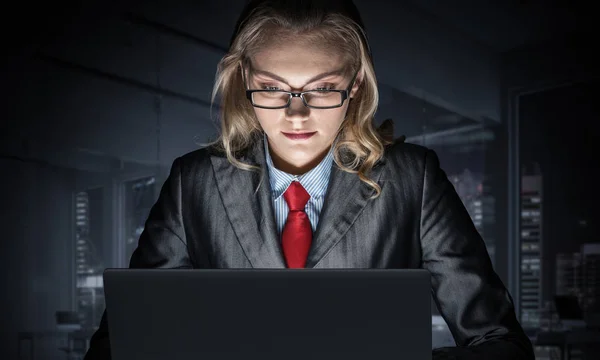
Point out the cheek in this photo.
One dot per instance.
(266, 118)
(335, 120)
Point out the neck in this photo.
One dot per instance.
(295, 168)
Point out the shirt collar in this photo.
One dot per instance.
(314, 181)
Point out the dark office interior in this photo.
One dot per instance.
(100, 98)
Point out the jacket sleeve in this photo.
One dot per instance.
(162, 244)
(469, 294)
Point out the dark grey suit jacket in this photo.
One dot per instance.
(208, 215)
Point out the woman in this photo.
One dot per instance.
(299, 178)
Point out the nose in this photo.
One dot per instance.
(297, 112)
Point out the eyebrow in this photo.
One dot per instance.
(337, 72)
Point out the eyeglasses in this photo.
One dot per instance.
(315, 99)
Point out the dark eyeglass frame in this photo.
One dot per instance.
(345, 93)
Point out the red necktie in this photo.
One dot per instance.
(297, 232)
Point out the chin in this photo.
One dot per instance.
(303, 156)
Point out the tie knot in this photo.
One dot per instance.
(296, 196)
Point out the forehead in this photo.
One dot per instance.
(297, 58)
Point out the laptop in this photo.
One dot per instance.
(269, 314)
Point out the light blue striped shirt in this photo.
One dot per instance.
(315, 182)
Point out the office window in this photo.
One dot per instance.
(90, 248)
(139, 195)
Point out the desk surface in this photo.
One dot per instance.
(56, 333)
(570, 337)
(583, 336)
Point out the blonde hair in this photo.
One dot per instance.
(359, 146)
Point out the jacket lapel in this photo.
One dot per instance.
(250, 212)
(346, 197)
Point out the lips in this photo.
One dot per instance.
(298, 135)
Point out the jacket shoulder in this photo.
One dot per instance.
(198, 158)
(404, 154)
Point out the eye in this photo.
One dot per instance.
(269, 87)
(325, 87)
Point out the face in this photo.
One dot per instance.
(299, 66)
